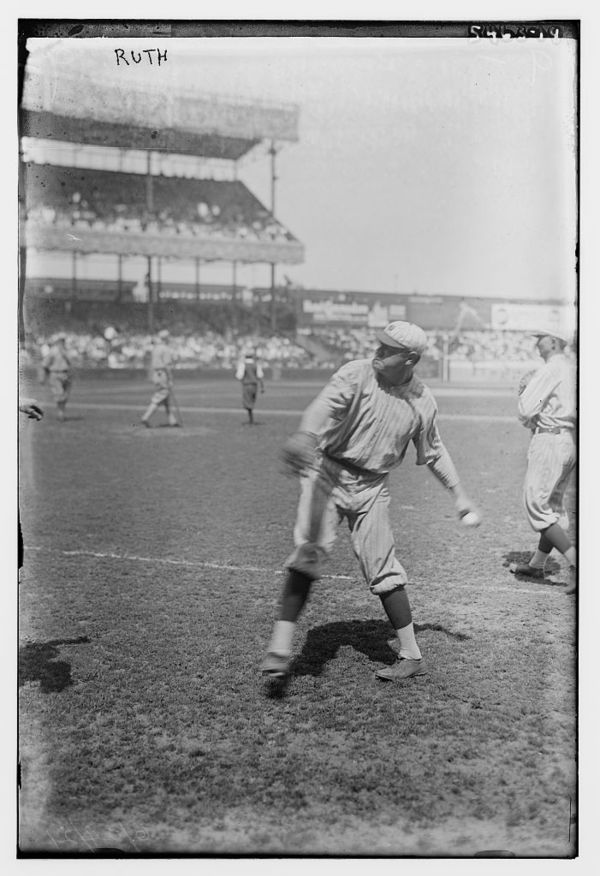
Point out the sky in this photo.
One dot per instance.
(437, 166)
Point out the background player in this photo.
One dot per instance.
(161, 365)
(250, 372)
(358, 429)
(547, 406)
(57, 371)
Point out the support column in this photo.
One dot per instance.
(69, 304)
(234, 297)
(150, 295)
(273, 300)
(149, 185)
(197, 280)
(119, 276)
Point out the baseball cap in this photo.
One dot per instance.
(403, 335)
(551, 333)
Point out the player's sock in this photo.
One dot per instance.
(558, 538)
(397, 608)
(571, 557)
(293, 598)
(538, 560)
(281, 639)
(148, 413)
(408, 644)
(294, 595)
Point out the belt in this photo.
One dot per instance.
(354, 469)
(552, 430)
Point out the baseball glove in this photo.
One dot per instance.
(299, 451)
(524, 381)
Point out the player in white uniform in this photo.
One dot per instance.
(57, 371)
(162, 378)
(547, 406)
(357, 430)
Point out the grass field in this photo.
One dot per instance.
(153, 561)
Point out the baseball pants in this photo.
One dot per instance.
(550, 461)
(330, 493)
(60, 385)
(249, 391)
(162, 388)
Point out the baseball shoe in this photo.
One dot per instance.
(402, 670)
(145, 423)
(526, 570)
(276, 665)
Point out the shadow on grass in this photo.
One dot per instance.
(368, 637)
(37, 663)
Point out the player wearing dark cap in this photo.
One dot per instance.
(355, 432)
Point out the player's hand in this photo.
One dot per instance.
(31, 408)
(468, 512)
(299, 452)
(524, 381)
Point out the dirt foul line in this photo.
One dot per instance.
(199, 564)
(281, 412)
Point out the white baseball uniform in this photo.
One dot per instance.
(547, 406)
(364, 427)
(161, 364)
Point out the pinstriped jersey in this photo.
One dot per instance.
(371, 423)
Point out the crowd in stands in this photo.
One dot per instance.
(117, 350)
(110, 201)
(482, 345)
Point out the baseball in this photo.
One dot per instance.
(471, 518)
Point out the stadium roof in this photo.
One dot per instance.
(180, 122)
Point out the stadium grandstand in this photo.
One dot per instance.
(79, 210)
(153, 179)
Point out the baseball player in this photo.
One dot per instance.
(547, 406)
(57, 372)
(161, 365)
(352, 435)
(250, 372)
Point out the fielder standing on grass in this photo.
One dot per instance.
(355, 432)
(250, 372)
(547, 406)
(161, 366)
(58, 372)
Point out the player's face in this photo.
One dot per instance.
(392, 363)
(545, 346)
